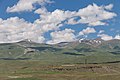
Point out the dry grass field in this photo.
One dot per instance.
(37, 70)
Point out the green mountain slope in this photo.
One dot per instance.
(73, 52)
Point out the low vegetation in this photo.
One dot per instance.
(38, 70)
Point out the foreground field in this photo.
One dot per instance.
(38, 70)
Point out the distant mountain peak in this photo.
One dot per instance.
(93, 42)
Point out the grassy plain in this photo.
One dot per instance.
(39, 70)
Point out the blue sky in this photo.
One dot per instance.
(60, 30)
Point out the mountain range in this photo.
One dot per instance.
(92, 50)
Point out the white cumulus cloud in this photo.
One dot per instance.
(87, 31)
(52, 20)
(26, 5)
(66, 35)
(109, 7)
(15, 29)
(105, 37)
(93, 15)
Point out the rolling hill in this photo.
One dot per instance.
(92, 51)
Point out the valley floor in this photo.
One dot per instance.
(38, 70)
